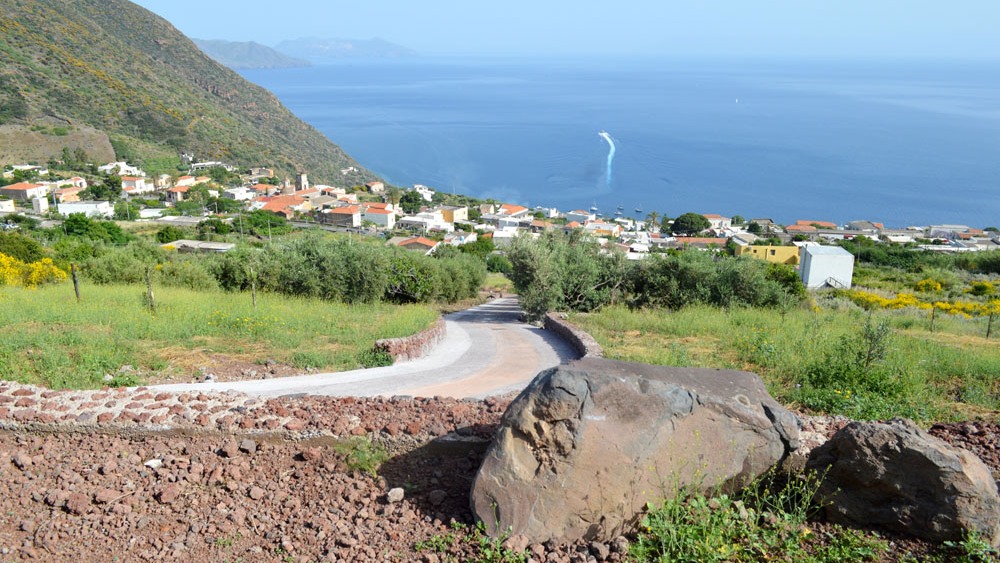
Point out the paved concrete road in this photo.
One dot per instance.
(486, 351)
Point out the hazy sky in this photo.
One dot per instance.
(875, 28)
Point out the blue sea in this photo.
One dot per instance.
(904, 143)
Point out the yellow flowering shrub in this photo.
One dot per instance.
(868, 300)
(13, 272)
(967, 309)
(927, 285)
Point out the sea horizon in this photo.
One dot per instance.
(904, 142)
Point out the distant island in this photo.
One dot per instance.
(247, 54)
(318, 50)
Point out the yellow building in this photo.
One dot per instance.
(777, 254)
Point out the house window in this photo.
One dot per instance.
(773, 252)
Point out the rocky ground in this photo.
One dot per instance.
(131, 475)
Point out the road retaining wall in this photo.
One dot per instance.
(415, 346)
(577, 337)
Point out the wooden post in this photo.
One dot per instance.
(933, 310)
(253, 287)
(989, 326)
(76, 282)
(149, 292)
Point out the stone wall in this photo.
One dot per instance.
(415, 346)
(580, 340)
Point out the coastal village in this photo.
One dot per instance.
(420, 219)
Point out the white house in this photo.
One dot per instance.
(384, 218)
(717, 221)
(24, 191)
(40, 205)
(88, 208)
(120, 168)
(580, 216)
(424, 191)
(136, 185)
(826, 266)
(239, 194)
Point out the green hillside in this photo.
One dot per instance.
(119, 68)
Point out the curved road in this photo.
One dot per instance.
(486, 351)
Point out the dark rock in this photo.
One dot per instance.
(898, 476)
(582, 450)
(436, 497)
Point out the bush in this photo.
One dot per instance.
(170, 233)
(565, 271)
(191, 273)
(20, 247)
(498, 264)
(125, 265)
(14, 272)
(375, 358)
(349, 271)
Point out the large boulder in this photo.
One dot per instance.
(898, 476)
(583, 449)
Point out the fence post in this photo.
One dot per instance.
(149, 292)
(76, 282)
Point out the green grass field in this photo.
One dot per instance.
(47, 338)
(820, 359)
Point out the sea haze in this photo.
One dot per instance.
(905, 143)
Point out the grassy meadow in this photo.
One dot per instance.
(47, 338)
(833, 359)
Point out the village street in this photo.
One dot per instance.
(486, 351)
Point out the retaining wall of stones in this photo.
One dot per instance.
(28, 406)
(415, 346)
(579, 339)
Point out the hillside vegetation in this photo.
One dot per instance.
(119, 68)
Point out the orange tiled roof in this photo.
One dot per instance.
(22, 186)
(346, 210)
(511, 209)
(418, 240)
(824, 224)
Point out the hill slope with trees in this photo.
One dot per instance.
(121, 69)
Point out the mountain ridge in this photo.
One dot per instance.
(247, 54)
(116, 67)
(320, 49)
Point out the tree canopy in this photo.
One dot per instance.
(689, 224)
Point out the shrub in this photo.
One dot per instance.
(498, 263)
(375, 358)
(361, 455)
(14, 272)
(123, 265)
(20, 247)
(191, 273)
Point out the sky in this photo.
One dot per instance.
(820, 28)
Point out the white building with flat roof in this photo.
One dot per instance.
(826, 266)
(88, 208)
